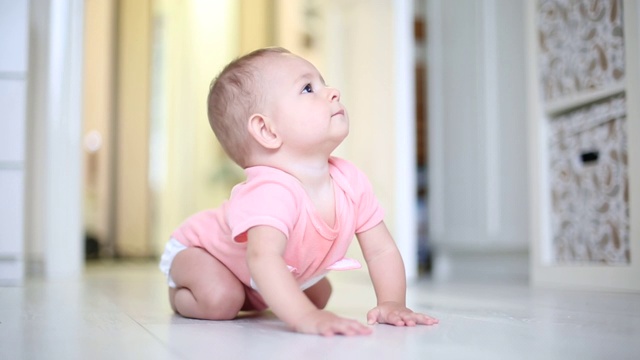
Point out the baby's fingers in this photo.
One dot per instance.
(372, 316)
(400, 317)
(376, 315)
(345, 327)
(411, 319)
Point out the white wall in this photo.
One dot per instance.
(14, 17)
(477, 126)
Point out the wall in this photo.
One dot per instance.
(181, 180)
(352, 46)
(477, 126)
(98, 122)
(364, 48)
(14, 19)
(132, 108)
(189, 171)
(257, 24)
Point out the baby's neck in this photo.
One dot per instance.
(316, 180)
(313, 173)
(314, 176)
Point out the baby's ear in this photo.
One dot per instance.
(260, 127)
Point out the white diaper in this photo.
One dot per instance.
(170, 251)
(173, 247)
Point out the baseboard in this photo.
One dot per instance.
(11, 271)
(481, 266)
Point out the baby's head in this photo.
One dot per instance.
(273, 102)
(234, 96)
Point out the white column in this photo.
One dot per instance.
(406, 230)
(54, 166)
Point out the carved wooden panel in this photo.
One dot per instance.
(589, 186)
(581, 46)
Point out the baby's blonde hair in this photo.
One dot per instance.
(234, 95)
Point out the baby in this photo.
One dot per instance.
(284, 228)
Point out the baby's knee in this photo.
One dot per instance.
(207, 306)
(220, 312)
(223, 304)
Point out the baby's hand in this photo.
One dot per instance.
(325, 323)
(399, 315)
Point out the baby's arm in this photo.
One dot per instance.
(279, 289)
(387, 274)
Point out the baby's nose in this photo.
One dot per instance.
(334, 94)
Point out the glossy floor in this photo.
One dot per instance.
(121, 312)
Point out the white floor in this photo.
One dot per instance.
(121, 312)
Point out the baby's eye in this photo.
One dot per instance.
(307, 89)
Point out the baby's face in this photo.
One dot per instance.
(308, 114)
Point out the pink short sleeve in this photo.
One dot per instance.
(266, 198)
(369, 213)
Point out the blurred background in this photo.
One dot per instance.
(468, 116)
(158, 161)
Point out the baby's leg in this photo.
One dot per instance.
(319, 293)
(206, 289)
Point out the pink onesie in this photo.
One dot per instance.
(274, 198)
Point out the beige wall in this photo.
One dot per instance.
(190, 170)
(132, 117)
(98, 114)
(257, 27)
(167, 163)
(353, 47)
(168, 143)
(171, 50)
(116, 86)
